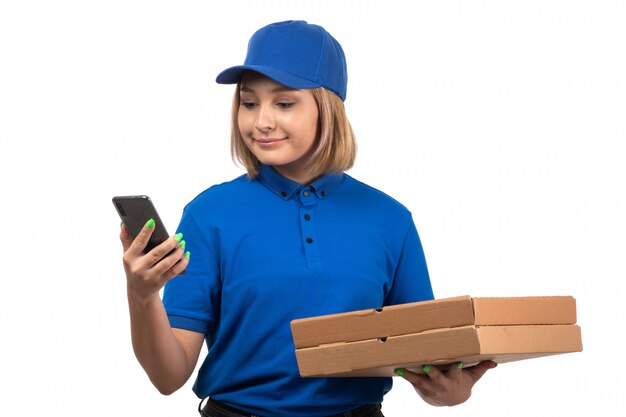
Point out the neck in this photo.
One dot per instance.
(301, 177)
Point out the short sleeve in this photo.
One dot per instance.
(192, 300)
(411, 282)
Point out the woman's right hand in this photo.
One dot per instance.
(147, 273)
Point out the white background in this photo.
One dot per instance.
(501, 126)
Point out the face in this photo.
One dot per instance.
(278, 124)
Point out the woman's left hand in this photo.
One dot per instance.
(451, 387)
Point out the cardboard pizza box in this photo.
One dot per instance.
(427, 315)
(467, 344)
(375, 342)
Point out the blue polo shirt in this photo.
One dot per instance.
(270, 250)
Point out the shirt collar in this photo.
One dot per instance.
(286, 188)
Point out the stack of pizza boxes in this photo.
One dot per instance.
(439, 332)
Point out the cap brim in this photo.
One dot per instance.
(233, 74)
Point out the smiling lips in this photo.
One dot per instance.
(268, 141)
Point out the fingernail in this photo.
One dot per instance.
(150, 224)
(494, 365)
(188, 254)
(399, 372)
(178, 237)
(182, 244)
(459, 365)
(426, 368)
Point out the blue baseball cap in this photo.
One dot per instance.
(296, 54)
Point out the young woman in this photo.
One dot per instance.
(295, 237)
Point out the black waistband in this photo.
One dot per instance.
(219, 409)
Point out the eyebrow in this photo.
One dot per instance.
(245, 89)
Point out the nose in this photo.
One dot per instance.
(265, 119)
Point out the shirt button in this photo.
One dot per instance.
(309, 240)
(284, 194)
(306, 193)
(307, 217)
(323, 193)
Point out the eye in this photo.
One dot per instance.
(285, 106)
(248, 105)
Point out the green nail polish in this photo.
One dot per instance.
(459, 365)
(150, 224)
(188, 254)
(399, 372)
(178, 237)
(426, 368)
(182, 244)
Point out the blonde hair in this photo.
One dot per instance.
(335, 145)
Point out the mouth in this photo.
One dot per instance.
(268, 140)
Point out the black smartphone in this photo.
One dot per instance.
(135, 211)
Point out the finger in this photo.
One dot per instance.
(159, 253)
(177, 269)
(142, 239)
(167, 254)
(434, 374)
(479, 370)
(419, 381)
(455, 370)
(125, 237)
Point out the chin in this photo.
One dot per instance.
(269, 160)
